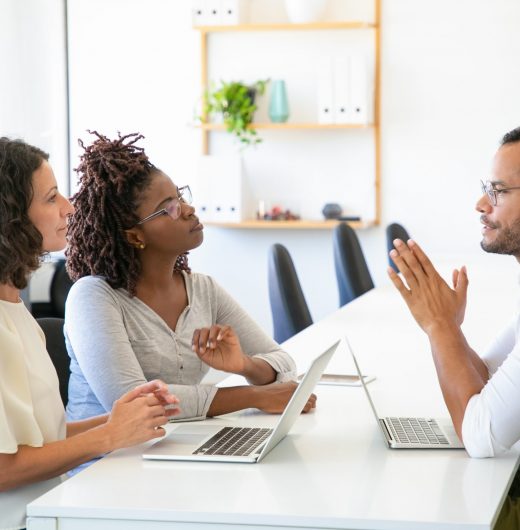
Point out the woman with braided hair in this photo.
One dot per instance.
(36, 444)
(136, 310)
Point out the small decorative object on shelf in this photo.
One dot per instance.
(278, 105)
(234, 101)
(276, 213)
(304, 11)
(332, 210)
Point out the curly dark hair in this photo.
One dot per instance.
(20, 241)
(112, 176)
(511, 137)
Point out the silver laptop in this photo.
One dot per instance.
(412, 433)
(222, 443)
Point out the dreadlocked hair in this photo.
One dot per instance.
(112, 176)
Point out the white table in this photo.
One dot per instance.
(332, 471)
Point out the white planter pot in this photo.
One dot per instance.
(304, 11)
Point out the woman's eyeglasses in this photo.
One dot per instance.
(173, 208)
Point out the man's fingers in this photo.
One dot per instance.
(422, 258)
(399, 284)
(461, 286)
(412, 262)
(455, 278)
(404, 269)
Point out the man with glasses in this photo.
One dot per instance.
(482, 394)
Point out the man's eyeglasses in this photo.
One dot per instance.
(489, 189)
(173, 207)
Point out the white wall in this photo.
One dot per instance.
(449, 91)
(450, 78)
(33, 88)
(134, 67)
(33, 102)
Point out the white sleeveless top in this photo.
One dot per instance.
(31, 410)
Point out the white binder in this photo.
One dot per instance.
(201, 189)
(229, 196)
(342, 90)
(220, 193)
(325, 90)
(213, 12)
(359, 90)
(233, 12)
(198, 12)
(206, 12)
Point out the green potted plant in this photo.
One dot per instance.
(235, 102)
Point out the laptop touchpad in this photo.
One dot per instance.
(192, 434)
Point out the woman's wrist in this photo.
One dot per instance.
(103, 438)
(259, 371)
(258, 397)
(96, 441)
(248, 367)
(231, 399)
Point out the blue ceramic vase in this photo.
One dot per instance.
(278, 105)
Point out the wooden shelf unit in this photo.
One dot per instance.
(289, 125)
(315, 26)
(290, 225)
(207, 128)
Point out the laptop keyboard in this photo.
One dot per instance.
(416, 431)
(238, 441)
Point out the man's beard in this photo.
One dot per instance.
(506, 242)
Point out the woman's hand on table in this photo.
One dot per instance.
(273, 398)
(138, 415)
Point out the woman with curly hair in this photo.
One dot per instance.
(36, 444)
(137, 311)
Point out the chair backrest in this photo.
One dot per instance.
(288, 306)
(55, 343)
(352, 272)
(60, 287)
(394, 231)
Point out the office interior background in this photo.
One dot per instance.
(448, 91)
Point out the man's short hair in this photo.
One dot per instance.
(511, 137)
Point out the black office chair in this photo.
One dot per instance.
(352, 272)
(55, 343)
(288, 306)
(60, 287)
(395, 231)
